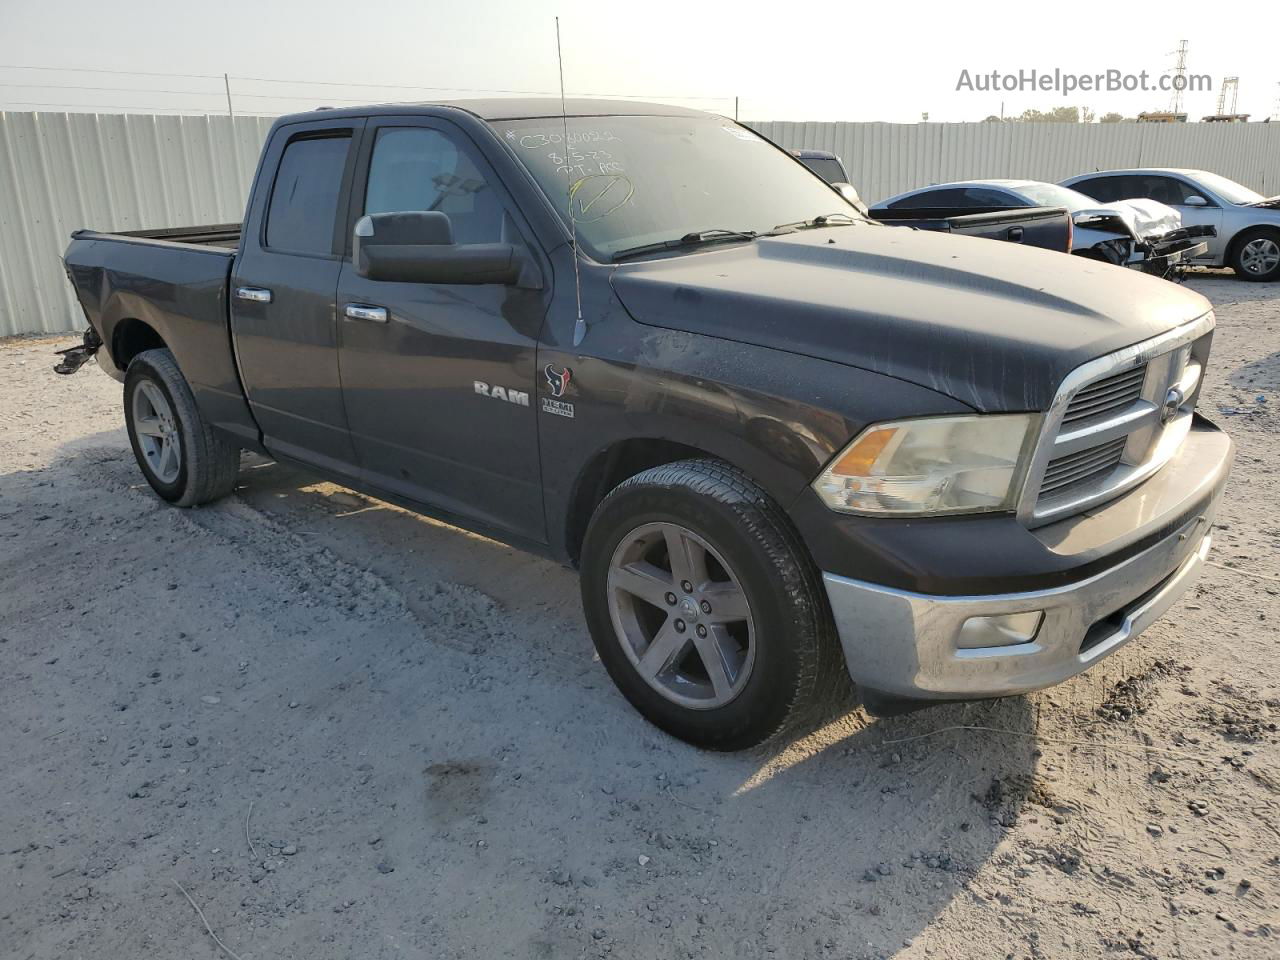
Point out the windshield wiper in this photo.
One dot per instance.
(694, 239)
(825, 220)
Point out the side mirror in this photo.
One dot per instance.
(418, 247)
(850, 194)
(1195, 200)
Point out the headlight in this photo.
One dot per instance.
(966, 464)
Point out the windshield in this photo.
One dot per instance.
(1052, 195)
(639, 180)
(1228, 190)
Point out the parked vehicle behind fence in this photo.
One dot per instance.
(1246, 224)
(785, 445)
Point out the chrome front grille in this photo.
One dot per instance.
(1106, 395)
(1114, 422)
(1081, 468)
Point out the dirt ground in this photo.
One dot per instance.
(348, 731)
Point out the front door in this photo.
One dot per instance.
(439, 380)
(1205, 214)
(282, 293)
(1174, 192)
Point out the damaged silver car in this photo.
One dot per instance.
(1139, 233)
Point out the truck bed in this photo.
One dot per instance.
(205, 235)
(1047, 227)
(171, 283)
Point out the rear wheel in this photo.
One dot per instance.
(1257, 255)
(705, 608)
(185, 460)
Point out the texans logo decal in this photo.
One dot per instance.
(558, 380)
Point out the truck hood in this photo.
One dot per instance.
(992, 324)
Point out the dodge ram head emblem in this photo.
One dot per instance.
(559, 380)
(1172, 404)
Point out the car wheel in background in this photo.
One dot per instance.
(1256, 255)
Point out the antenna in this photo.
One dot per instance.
(580, 326)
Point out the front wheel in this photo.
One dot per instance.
(184, 459)
(1257, 255)
(705, 607)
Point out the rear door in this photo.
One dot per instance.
(440, 380)
(282, 292)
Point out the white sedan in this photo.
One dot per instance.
(1247, 223)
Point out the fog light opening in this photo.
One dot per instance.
(1000, 630)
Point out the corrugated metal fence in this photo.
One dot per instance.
(888, 158)
(60, 172)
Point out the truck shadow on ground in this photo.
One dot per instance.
(839, 825)
(512, 790)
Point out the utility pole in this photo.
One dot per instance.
(226, 85)
(735, 109)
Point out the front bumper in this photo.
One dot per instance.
(903, 644)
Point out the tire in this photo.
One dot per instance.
(782, 662)
(1255, 255)
(163, 422)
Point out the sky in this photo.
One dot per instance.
(823, 61)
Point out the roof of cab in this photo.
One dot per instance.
(508, 108)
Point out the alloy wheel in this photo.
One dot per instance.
(1260, 256)
(681, 615)
(157, 431)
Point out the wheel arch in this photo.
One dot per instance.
(605, 469)
(130, 337)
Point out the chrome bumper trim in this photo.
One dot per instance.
(904, 643)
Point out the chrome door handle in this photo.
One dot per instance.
(256, 294)
(362, 311)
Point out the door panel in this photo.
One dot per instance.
(282, 295)
(420, 425)
(1172, 191)
(1200, 216)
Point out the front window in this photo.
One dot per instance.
(418, 168)
(1229, 190)
(632, 181)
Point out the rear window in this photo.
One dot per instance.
(304, 200)
(829, 170)
(947, 197)
(1108, 189)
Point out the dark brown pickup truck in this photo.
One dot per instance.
(785, 445)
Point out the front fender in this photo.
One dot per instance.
(778, 417)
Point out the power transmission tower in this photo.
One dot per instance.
(1180, 78)
(1229, 85)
